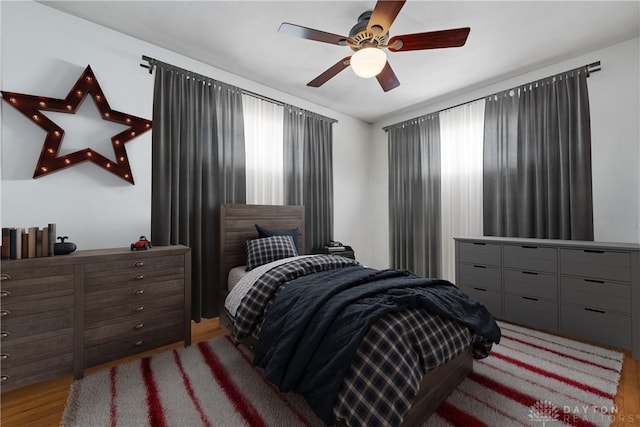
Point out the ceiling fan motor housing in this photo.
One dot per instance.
(360, 34)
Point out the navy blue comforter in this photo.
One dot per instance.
(315, 325)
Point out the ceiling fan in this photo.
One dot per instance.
(369, 37)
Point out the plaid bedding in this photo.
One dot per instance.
(392, 358)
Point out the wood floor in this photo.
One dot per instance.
(42, 404)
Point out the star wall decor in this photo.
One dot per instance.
(49, 161)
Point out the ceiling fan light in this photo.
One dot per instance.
(368, 62)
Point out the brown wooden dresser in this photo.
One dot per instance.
(65, 313)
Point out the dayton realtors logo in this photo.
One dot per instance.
(544, 411)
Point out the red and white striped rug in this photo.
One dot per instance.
(530, 379)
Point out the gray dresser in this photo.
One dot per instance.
(589, 290)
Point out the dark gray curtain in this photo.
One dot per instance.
(197, 163)
(414, 196)
(500, 177)
(553, 162)
(308, 142)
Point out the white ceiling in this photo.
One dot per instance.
(507, 38)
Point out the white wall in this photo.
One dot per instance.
(615, 109)
(43, 52)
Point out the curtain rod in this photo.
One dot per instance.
(152, 64)
(591, 68)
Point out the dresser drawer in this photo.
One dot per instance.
(31, 285)
(14, 308)
(598, 294)
(138, 292)
(19, 327)
(480, 253)
(480, 276)
(598, 264)
(40, 370)
(20, 352)
(23, 270)
(135, 262)
(532, 284)
(531, 258)
(531, 311)
(133, 344)
(491, 299)
(114, 279)
(131, 310)
(132, 327)
(607, 327)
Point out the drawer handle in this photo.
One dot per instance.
(533, 273)
(139, 326)
(480, 289)
(4, 378)
(139, 277)
(4, 313)
(530, 298)
(4, 277)
(595, 311)
(479, 243)
(529, 247)
(4, 334)
(593, 251)
(479, 266)
(138, 292)
(5, 294)
(594, 281)
(138, 264)
(139, 308)
(138, 343)
(4, 356)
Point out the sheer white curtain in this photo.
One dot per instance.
(461, 142)
(263, 130)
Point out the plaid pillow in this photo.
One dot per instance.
(263, 251)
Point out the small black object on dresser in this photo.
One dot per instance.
(345, 251)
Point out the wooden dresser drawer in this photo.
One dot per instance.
(114, 279)
(133, 344)
(138, 292)
(600, 264)
(531, 258)
(491, 299)
(39, 370)
(540, 285)
(598, 294)
(15, 308)
(532, 311)
(35, 285)
(135, 261)
(19, 327)
(23, 351)
(132, 327)
(480, 253)
(599, 325)
(480, 276)
(131, 310)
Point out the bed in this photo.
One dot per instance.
(238, 225)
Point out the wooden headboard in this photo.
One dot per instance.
(237, 225)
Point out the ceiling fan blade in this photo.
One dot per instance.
(387, 78)
(431, 40)
(330, 73)
(311, 34)
(384, 14)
